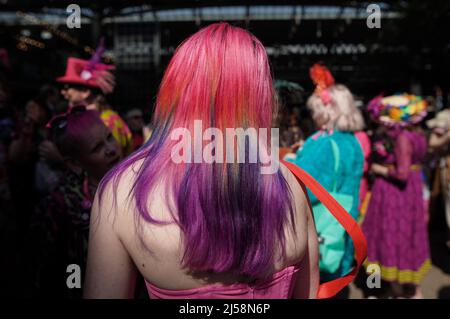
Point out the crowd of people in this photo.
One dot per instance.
(191, 230)
(53, 155)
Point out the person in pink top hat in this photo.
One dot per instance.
(86, 82)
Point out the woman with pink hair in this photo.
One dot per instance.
(204, 230)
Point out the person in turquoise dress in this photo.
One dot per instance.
(337, 118)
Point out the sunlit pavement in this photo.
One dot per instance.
(435, 285)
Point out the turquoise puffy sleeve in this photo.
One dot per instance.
(316, 157)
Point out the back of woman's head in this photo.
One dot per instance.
(70, 138)
(232, 217)
(339, 113)
(221, 75)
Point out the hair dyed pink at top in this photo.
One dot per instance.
(232, 217)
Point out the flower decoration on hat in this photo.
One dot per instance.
(400, 110)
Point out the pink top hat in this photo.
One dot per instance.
(90, 73)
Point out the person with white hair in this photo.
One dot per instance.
(333, 156)
(439, 144)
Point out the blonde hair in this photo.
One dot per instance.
(340, 114)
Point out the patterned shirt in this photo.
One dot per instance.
(60, 230)
(119, 130)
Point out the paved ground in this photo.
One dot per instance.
(436, 284)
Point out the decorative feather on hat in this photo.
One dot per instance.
(90, 73)
(322, 79)
(99, 71)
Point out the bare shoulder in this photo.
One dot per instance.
(297, 189)
(297, 239)
(113, 196)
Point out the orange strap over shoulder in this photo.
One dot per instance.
(331, 288)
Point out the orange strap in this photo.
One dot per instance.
(331, 288)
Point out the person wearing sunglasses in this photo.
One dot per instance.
(85, 142)
(86, 83)
(89, 150)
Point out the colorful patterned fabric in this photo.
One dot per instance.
(119, 130)
(400, 110)
(60, 231)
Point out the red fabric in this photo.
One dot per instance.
(331, 288)
(284, 151)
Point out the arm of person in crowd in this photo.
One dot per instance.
(110, 272)
(307, 281)
(403, 156)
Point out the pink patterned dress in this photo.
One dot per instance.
(394, 226)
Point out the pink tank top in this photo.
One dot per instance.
(279, 286)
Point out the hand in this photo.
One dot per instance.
(427, 216)
(49, 152)
(379, 170)
(297, 145)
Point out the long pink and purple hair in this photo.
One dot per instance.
(232, 217)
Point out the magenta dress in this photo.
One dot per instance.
(394, 226)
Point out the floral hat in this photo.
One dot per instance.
(400, 110)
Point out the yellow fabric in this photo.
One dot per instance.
(414, 167)
(364, 206)
(403, 276)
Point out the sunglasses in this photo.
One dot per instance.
(59, 121)
(72, 86)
